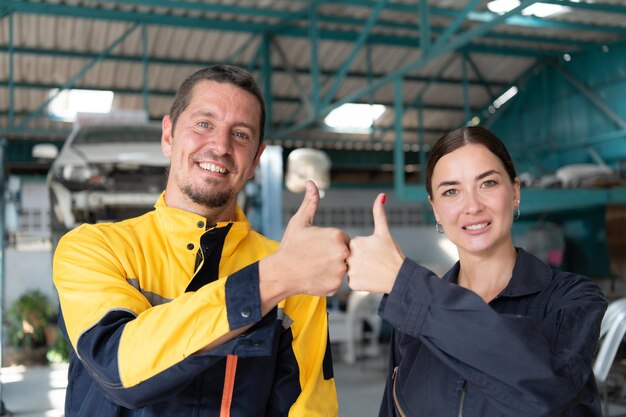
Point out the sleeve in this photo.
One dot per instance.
(304, 384)
(525, 367)
(136, 352)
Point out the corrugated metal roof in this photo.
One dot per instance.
(54, 41)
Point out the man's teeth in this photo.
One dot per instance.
(476, 226)
(213, 168)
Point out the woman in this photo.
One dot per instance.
(502, 334)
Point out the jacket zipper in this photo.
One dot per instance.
(462, 389)
(395, 397)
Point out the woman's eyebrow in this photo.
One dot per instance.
(487, 173)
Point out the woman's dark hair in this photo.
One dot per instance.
(229, 74)
(463, 136)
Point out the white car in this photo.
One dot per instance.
(105, 173)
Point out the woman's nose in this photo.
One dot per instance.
(473, 203)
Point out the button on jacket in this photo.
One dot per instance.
(140, 297)
(528, 352)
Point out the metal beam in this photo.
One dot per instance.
(266, 77)
(591, 96)
(398, 152)
(458, 43)
(343, 71)
(479, 75)
(306, 100)
(314, 37)
(11, 84)
(78, 75)
(284, 27)
(458, 20)
(206, 7)
(144, 49)
(66, 53)
(466, 109)
(424, 27)
(591, 7)
(171, 93)
(527, 21)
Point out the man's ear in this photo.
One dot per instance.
(257, 159)
(166, 136)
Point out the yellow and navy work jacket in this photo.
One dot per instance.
(140, 298)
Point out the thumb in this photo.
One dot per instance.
(380, 216)
(306, 213)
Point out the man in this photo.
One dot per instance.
(185, 310)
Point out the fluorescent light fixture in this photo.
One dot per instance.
(537, 9)
(506, 96)
(354, 116)
(502, 6)
(69, 102)
(545, 10)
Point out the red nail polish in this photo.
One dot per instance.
(383, 199)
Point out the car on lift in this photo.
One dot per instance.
(105, 172)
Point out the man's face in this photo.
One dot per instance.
(214, 148)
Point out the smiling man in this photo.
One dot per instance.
(186, 310)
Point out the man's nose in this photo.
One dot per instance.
(220, 141)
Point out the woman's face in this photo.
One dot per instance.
(474, 199)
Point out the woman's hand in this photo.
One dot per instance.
(375, 260)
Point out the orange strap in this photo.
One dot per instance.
(229, 385)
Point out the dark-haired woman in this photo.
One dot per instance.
(501, 334)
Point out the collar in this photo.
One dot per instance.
(530, 275)
(184, 227)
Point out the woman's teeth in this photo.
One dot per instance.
(476, 226)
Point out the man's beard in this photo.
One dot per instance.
(207, 198)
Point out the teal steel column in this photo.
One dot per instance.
(370, 78)
(466, 106)
(11, 89)
(314, 36)
(266, 75)
(422, 141)
(77, 76)
(424, 12)
(398, 151)
(144, 46)
(3, 146)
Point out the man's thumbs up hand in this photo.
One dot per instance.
(306, 212)
(310, 259)
(375, 260)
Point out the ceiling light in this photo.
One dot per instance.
(537, 9)
(545, 10)
(502, 6)
(506, 96)
(354, 116)
(67, 103)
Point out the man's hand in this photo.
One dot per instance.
(375, 260)
(310, 259)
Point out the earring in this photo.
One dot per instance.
(517, 213)
(439, 228)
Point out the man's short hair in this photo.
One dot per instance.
(229, 74)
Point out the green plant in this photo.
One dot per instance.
(28, 318)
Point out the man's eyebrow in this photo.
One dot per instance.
(478, 177)
(208, 113)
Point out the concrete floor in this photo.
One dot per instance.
(40, 391)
